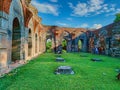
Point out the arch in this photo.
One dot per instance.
(16, 12)
(27, 12)
(16, 40)
(31, 39)
(102, 45)
(64, 45)
(84, 41)
(35, 23)
(16, 15)
(5, 5)
(80, 44)
(49, 45)
(68, 40)
(29, 42)
(50, 41)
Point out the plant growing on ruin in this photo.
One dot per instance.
(117, 19)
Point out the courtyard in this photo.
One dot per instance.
(38, 74)
(59, 45)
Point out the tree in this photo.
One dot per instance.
(117, 19)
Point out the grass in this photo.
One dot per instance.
(39, 74)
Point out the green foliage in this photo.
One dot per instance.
(48, 46)
(38, 74)
(64, 44)
(79, 44)
(117, 19)
(64, 51)
(49, 51)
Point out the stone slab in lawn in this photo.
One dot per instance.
(64, 70)
(59, 59)
(96, 59)
(83, 55)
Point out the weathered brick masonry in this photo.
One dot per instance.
(22, 36)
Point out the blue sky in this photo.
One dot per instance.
(77, 13)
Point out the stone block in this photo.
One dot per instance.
(96, 59)
(60, 59)
(3, 57)
(64, 70)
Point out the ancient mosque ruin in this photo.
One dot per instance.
(22, 36)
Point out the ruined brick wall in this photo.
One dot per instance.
(5, 5)
(71, 35)
(107, 39)
(28, 19)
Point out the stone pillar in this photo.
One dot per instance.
(43, 42)
(33, 41)
(69, 44)
(33, 44)
(3, 49)
(76, 45)
(26, 43)
(84, 45)
(4, 60)
(37, 44)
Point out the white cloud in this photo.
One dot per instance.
(84, 25)
(62, 24)
(118, 10)
(69, 19)
(113, 13)
(46, 8)
(54, 0)
(92, 7)
(97, 26)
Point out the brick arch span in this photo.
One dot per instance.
(35, 24)
(27, 13)
(5, 5)
(58, 34)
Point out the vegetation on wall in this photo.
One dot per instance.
(64, 44)
(117, 19)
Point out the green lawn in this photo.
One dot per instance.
(39, 74)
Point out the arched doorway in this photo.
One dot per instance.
(29, 42)
(79, 45)
(49, 45)
(16, 40)
(50, 41)
(64, 45)
(67, 40)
